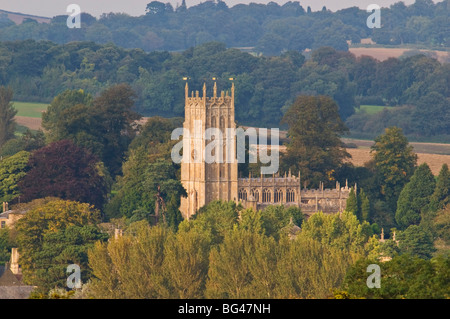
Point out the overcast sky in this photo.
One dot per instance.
(50, 8)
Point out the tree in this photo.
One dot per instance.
(58, 250)
(315, 148)
(186, 264)
(12, 170)
(415, 197)
(416, 241)
(308, 268)
(104, 125)
(116, 123)
(7, 114)
(366, 208)
(441, 195)
(352, 202)
(394, 163)
(6, 244)
(217, 218)
(63, 170)
(51, 118)
(48, 217)
(405, 277)
(29, 141)
(141, 249)
(343, 232)
(230, 271)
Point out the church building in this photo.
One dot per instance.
(206, 181)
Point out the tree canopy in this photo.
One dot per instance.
(63, 170)
(315, 148)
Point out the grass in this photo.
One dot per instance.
(371, 109)
(29, 109)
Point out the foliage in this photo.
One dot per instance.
(272, 28)
(352, 202)
(343, 232)
(394, 163)
(45, 224)
(403, 277)
(415, 197)
(28, 141)
(5, 245)
(416, 240)
(441, 195)
(227, 252)
(12, 170)
(315, 148)
(142, 249)
(104, 125)
(64, 170)
(60, 249)
(149, 170)
(265, 86)
(7, 113)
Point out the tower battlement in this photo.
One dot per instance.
(225, 99)
(205, 182)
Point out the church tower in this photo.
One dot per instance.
(209, 169)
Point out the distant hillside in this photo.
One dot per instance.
(18, 18)
(271, 29)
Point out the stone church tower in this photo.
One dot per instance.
(206, 180)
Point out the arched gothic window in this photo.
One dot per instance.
(255, 194)
(242, 194)
(278, 196)
(290, 195)
(266, 195)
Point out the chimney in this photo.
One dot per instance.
(14, 262)
(5, 206)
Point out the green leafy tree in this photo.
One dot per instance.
(230, 271)
(311, 269)
(366, 208)
(51, 118)
(48, 217)
(217, 218)
(441, 195)
(276, 218)
(59, 250)
(315, 148)
(7, 114)
(28, 141)
(416, 240)
(415, 197)
(403, 277)
(12, 170)
(6, 243)
(186, 264)
(343, 232)
(352, 202)
(141, 248)
(394, 163)
(104, 125)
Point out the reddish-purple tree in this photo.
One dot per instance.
(62, 169)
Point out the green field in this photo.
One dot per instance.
(29, 109)
(371, 109)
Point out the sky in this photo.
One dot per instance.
(50, 8)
